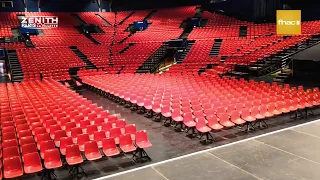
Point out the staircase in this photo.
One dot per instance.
(89, 64)
(29, 44)
(121, 22)
(104, 20)
(216, 47)
(91, 39)
(123, 40)
(243, 31)
(153, 60)
(277, 61)
(15, 67)
(185, 52)
(77, 18)
(149, 16)
(126, 48)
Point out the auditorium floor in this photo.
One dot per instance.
(286, 155)
(168, 144)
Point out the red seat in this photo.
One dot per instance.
(9, 136)
(224, 120)
(8, 129)
(10, 152)
(90, 130)
(52, 159)
(256, 114)
(120, 123)
(73, 155)
(82, 139)
(98, 137)
(29, 148)
(109, 147)
(69, 126)
(10, 143)
(235, 118)
(142, 140)
(64, 143)
(214, 124)
(91, 151)
(12, 167)
(42, 137)
(32, 163)
(131, 129)
(58, 135)
(106, 126)
(115, 133)
(44, 146)
(24, 133)
(39, 130)
(53, 129)
(74, 133)
(125, 143)
(202, 127)
(26, 140)
(264, 111)
(245, 114)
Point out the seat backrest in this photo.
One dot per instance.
(115, 132)
(10, 143)
(120, 123)
(40, 130)
(200, 123)
(75, 131)
(12, 164)
(108, 143)
(83, 138)
(106, 126)
(73, 151)
(130, 129)
(29, 148)
(91, 146)
(141, 136)
(32, 158)
(125, 140)
(26, 140)
(99, 135)
(65, 141)
(51, 155)
(10, 152)
(45, 145)
(91, 129)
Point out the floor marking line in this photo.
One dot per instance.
(279, 149)
(206, 150)
(155, 169)
(212, 156)
(315, 136)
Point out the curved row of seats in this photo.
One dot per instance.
(205, 102)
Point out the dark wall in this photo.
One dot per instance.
(18, 6)
(121, 5)
(69, 6)
(32, 5)
(250, 10)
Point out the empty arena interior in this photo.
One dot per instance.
(159, 90)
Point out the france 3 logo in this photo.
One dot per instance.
(39, 22)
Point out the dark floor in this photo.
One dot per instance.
(292, 154)
(166, 142)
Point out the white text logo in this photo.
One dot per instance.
(288, 23)
(40, 22)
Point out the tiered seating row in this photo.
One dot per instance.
(51, 62)
(205, 102)
(44, 116)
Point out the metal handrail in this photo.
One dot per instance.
(285, 58)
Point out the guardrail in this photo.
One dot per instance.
(283, 62)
